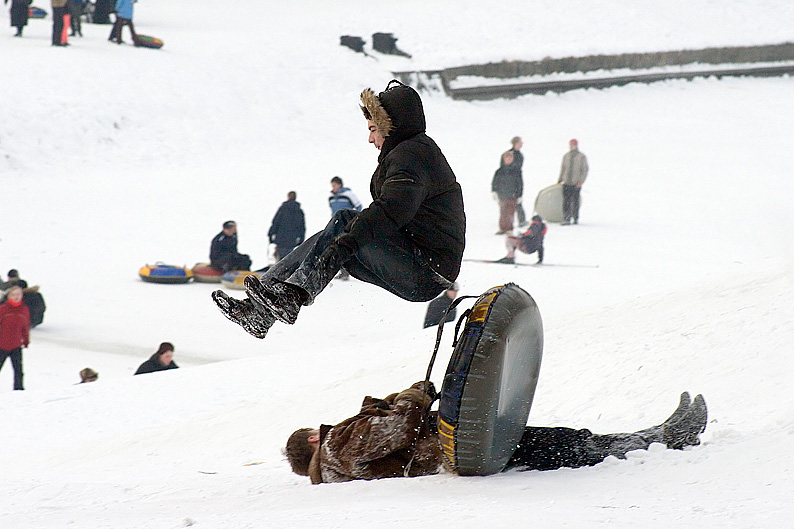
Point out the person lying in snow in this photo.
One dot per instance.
(396, 437)
(409, 241)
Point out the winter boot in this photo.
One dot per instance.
(506, 260)
(282, 300)
(687, 429)
(657, 432)
(244, 313)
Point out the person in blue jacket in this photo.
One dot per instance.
(342, 197)
(123, 18)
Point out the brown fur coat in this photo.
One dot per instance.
(379, 442)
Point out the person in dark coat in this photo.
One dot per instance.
(530, 242)
(102, 11)
(508, 188)
(223, 250)
(392, 438)
(162, 360)
(518, 163)
(14, 332)
(437, 307)
(409, 241)
(19, 14)
(289, 226)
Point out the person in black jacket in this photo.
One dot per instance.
(508, 188)
(437, 307)
(223, 250)
(409, 241)
(162, 360)
(19, 14)
(289, 226)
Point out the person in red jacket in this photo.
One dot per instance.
(14, 332)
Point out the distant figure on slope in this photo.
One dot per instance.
(530, 242)
(14, 332)
(76, 9)
(409, 241)
(88, 375)
(288, 228)
(437, 307)
(342, 197)
(124, 10)
(161, 360)
(223, 250)
(389, 438)
(59, 11)
(19, 14)
(573, 173)
(507, 188)
(30, 296)
(516, 166)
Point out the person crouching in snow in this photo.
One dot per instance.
(530, 242)
(409, 241)
(396, 437)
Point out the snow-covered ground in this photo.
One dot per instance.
(112, 157)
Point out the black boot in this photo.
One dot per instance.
(244, 314)
(282, 300)
(687, 429)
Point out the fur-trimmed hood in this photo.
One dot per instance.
(397, 112)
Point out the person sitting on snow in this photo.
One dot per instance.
(395, 437)
(530, 242)
(409, 241)
(223, 250)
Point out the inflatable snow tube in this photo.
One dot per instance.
(36, 12)
(145, 41)
(166, 274)
(236, 279)
(204, 273)
(490, 382)
(548, 203)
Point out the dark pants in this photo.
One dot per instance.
(570, 202)
(76, 11)
(521, 215)
(57, 24)
(239, 261)
(115, 33)
(393, 263)
(16, 363)
(552, 448)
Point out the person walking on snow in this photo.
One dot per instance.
(14, 332)
(409, 241)
(124, 10)
(288, 228)
(573, 173)
(19, 14)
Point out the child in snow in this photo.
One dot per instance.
(530, 242)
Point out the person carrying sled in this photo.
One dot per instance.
(530, 242)
(396, 437)
(409, 241)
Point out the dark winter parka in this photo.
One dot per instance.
(223, 248)
(153, 365)
(19, 12)
(507, 182)
(380, 442)
(289, 225)
(414, 190)
(532, 239)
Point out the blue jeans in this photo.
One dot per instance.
(393, 263)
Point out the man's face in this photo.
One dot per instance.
(166, 357)
(374, 136)
(231, 230)
(573, 145)
(335, 187)
(517, 145)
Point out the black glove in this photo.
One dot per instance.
(340, 250)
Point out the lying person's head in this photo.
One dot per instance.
(300, 449)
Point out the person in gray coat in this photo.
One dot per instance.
(573, 173)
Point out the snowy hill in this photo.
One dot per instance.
(113, 156)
